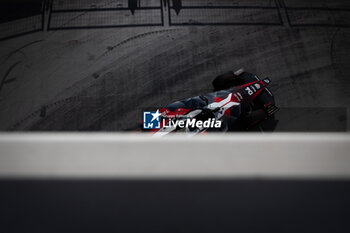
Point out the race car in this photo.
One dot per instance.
(240, 101)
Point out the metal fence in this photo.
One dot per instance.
(317, 13)
(19, 19)
(224, 12)
(80, 14)
(77, 14)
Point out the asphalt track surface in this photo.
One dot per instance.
(80, 75)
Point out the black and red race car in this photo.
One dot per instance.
(240, 101)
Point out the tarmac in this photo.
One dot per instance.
(98, 70)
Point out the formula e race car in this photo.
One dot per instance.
(240, 101)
